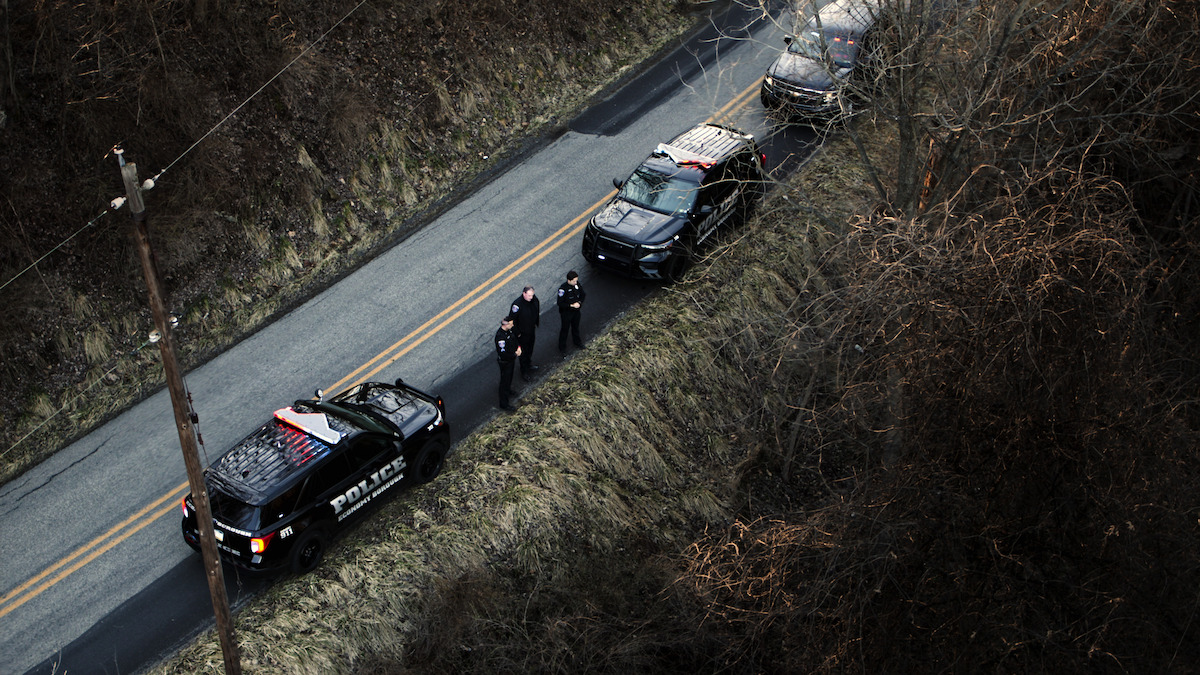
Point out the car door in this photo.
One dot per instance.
(717, 198)
(377, 465)
(328, 481)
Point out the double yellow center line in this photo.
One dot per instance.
(166, 503)
(464, 304)
(90, 551)
(160, 507)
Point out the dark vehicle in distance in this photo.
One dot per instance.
(281, 493)
(686, 190)
(809, 79)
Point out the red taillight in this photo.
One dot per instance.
(260, 544)
(183, 502)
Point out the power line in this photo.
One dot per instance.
(69, 403)
(260, 89)
(118, 202)
(148, 184)
(47, 253)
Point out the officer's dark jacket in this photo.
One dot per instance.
(568, 295)
(526, 314)
(506, 345)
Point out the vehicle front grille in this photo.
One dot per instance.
(615, 249)
(800, 97)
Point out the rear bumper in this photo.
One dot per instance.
(253, 563)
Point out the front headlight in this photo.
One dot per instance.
(655, 252)
(831, 97)
(655, 248)
(769, 81)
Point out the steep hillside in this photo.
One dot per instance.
(288, 139)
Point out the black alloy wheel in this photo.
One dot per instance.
(309, 549)
(429, 461)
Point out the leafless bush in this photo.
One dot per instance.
(1010, 363)
(1101, 86)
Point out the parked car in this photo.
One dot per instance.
(667, 209)
(809, 79)
(281, 493)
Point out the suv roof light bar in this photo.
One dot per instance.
(685, 157)
(314, 424)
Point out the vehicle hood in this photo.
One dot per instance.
(635, 224)
(805, 72)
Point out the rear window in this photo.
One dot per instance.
(234, 512)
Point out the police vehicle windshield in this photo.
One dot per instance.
(665, 193)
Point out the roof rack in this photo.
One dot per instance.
(703, 146)
(268, 456)
(684, 157)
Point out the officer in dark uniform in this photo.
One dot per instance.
(570, 299)
(526, 313)
(507, 351)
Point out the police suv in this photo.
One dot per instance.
(280, 494)
(831, 45)
(686, 190)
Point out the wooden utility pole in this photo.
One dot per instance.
(183, 421)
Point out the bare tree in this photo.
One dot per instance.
(8, 77)
(1017, 319)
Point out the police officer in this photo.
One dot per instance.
(526, 313)
(570, 298)
(507, 351)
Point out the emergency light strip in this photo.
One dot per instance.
(315, 424)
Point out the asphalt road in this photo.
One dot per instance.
(94, 573)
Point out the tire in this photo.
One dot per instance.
(757, 192)
(678, 265)
(774, 110)
(768, 104)
(428, 462)
(309, 549)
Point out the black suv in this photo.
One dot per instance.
(689, 187)
(280, 494)
(809, 79)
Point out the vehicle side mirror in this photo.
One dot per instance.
(399, 381)
(617, 183)
(319, 394)
(787, 39)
